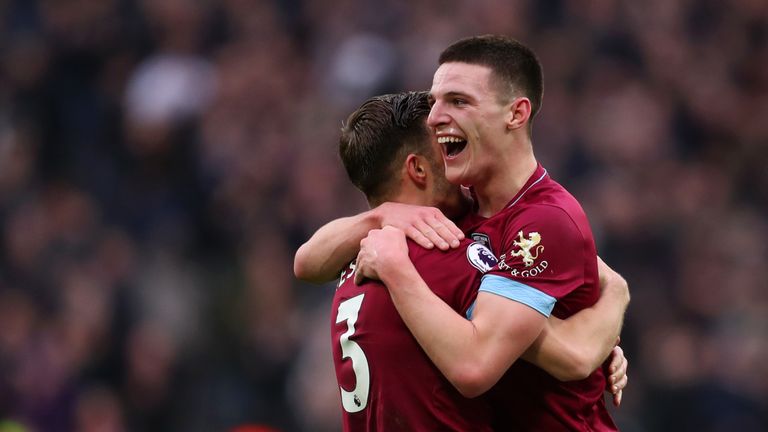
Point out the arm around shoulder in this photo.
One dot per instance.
(499, 332)
(335, 244)
(322, 257)
(472, 354)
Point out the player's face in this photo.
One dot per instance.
(468, 119)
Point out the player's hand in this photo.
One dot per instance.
(381, 251)
(617, 380)
(427, 226)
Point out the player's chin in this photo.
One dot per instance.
(453, 175)
(456, 172)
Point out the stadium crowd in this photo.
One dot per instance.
(161, 161)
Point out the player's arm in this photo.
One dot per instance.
(472, 355)
(335, 244)
(572, 349)
(320, 259)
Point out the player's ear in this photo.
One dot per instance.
(519, 113)
(416, 169)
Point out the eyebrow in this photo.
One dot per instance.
(454, 94)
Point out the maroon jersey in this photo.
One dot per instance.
(547, 260)
(387, 382)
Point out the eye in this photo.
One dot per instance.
(459, 101)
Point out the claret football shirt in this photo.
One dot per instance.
(548, 261)
(386, 381)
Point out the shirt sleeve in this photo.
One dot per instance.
(543, 259)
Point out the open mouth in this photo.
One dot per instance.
(452, 145)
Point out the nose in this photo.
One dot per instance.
(437, 115)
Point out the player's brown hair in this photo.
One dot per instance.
(378, 136)
(515, 66)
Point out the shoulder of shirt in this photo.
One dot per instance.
(550, 193)
(546, 212)
(421, 255)
(548, 187)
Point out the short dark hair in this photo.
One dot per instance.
(513, 64)
(378, 136)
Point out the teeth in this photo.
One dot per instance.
(448, 139)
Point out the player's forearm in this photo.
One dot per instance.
(553, 352)
(443, 334)
(335, 244)
(452, 342)
(572, 349)
(601, 324)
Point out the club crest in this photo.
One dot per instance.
(481, 257)
(529, 247)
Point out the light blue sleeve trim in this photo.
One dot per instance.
(470, 310)
(519, 292)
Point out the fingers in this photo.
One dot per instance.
(447, 230)
(358, 262)
(617, 358)
(623, 369)
(427, 226)
(414, 234)
(440, 231)
(618, 379)
(430, 233)
(621, 384)
(446, 233)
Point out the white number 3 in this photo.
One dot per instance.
(357, 399)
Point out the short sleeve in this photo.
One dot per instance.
(542, 249)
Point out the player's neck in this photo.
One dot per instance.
(412, 194)
(507, 180)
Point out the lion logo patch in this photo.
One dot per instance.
(529, 247)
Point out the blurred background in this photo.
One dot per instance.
(161, 161)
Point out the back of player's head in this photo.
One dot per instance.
(515, 67)
(377, 137)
